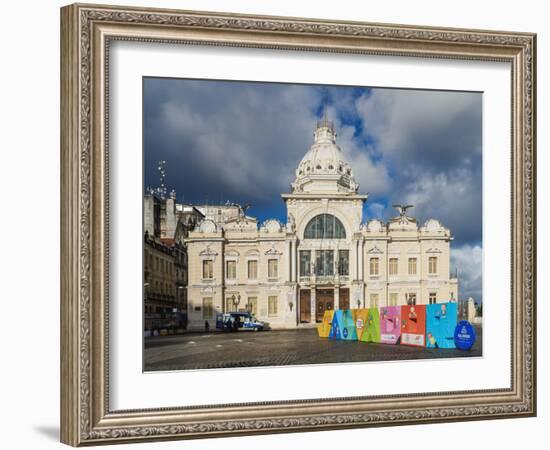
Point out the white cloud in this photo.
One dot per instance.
(437, 127)
(468, 260)
(372, 176)
(376, 210)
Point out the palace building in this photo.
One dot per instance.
(324, 257)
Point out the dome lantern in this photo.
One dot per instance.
(324, 167)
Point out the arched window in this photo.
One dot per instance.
(325, 226)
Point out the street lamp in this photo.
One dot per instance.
(290, 301)
(236, 300)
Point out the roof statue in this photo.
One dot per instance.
(243, 209)
(403, 218)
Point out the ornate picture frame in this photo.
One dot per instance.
(86, 34)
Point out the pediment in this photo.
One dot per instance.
(375, 250)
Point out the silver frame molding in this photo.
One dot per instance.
(86, 32)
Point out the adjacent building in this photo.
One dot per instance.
(165, 265)
(323, 257)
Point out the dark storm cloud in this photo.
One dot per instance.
(227, 140)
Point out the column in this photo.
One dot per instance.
(361, 268)
(294, 261)
(312, 306)
(356, 265)
(313, 264)
(337, 298)
(289, 260)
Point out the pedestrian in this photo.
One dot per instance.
(206, 326)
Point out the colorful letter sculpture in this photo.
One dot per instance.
(361, 316)
(371, 330)
(390, 324)
(336, 325)
(349, 333)
(413, 325)
(324, 327)
(441, 319)
(432, 326)
(343, 326)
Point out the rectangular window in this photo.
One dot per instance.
(324, 262)
(253, 305)
(393, 298)
(272, 305)
(343, 262)
(252, 270)
(229, 304)
(305, 263)
(433, 298)
(231, 270)
(272, 268)
(432, 265)
(374, 266)
(207, 269)
(207, 308)
(393, 266)
(412, 266)
(374, 300)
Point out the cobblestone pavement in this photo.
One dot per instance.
(276, 348)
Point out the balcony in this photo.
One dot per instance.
(325, 279)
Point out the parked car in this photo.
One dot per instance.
(235, 321)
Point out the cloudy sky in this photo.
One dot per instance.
(219, 138)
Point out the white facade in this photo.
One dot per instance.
(324, 257)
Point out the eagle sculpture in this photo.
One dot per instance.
(403, 218)
(402, 209)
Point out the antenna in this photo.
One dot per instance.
(161, 190)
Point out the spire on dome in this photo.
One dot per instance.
(325, 131)
(324, 122)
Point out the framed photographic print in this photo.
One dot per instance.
(275, 224)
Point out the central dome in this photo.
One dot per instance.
(324, 167)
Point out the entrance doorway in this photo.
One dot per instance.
(343, 299)
(324, 299)
(305, 306)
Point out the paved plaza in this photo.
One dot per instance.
(276, 348)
